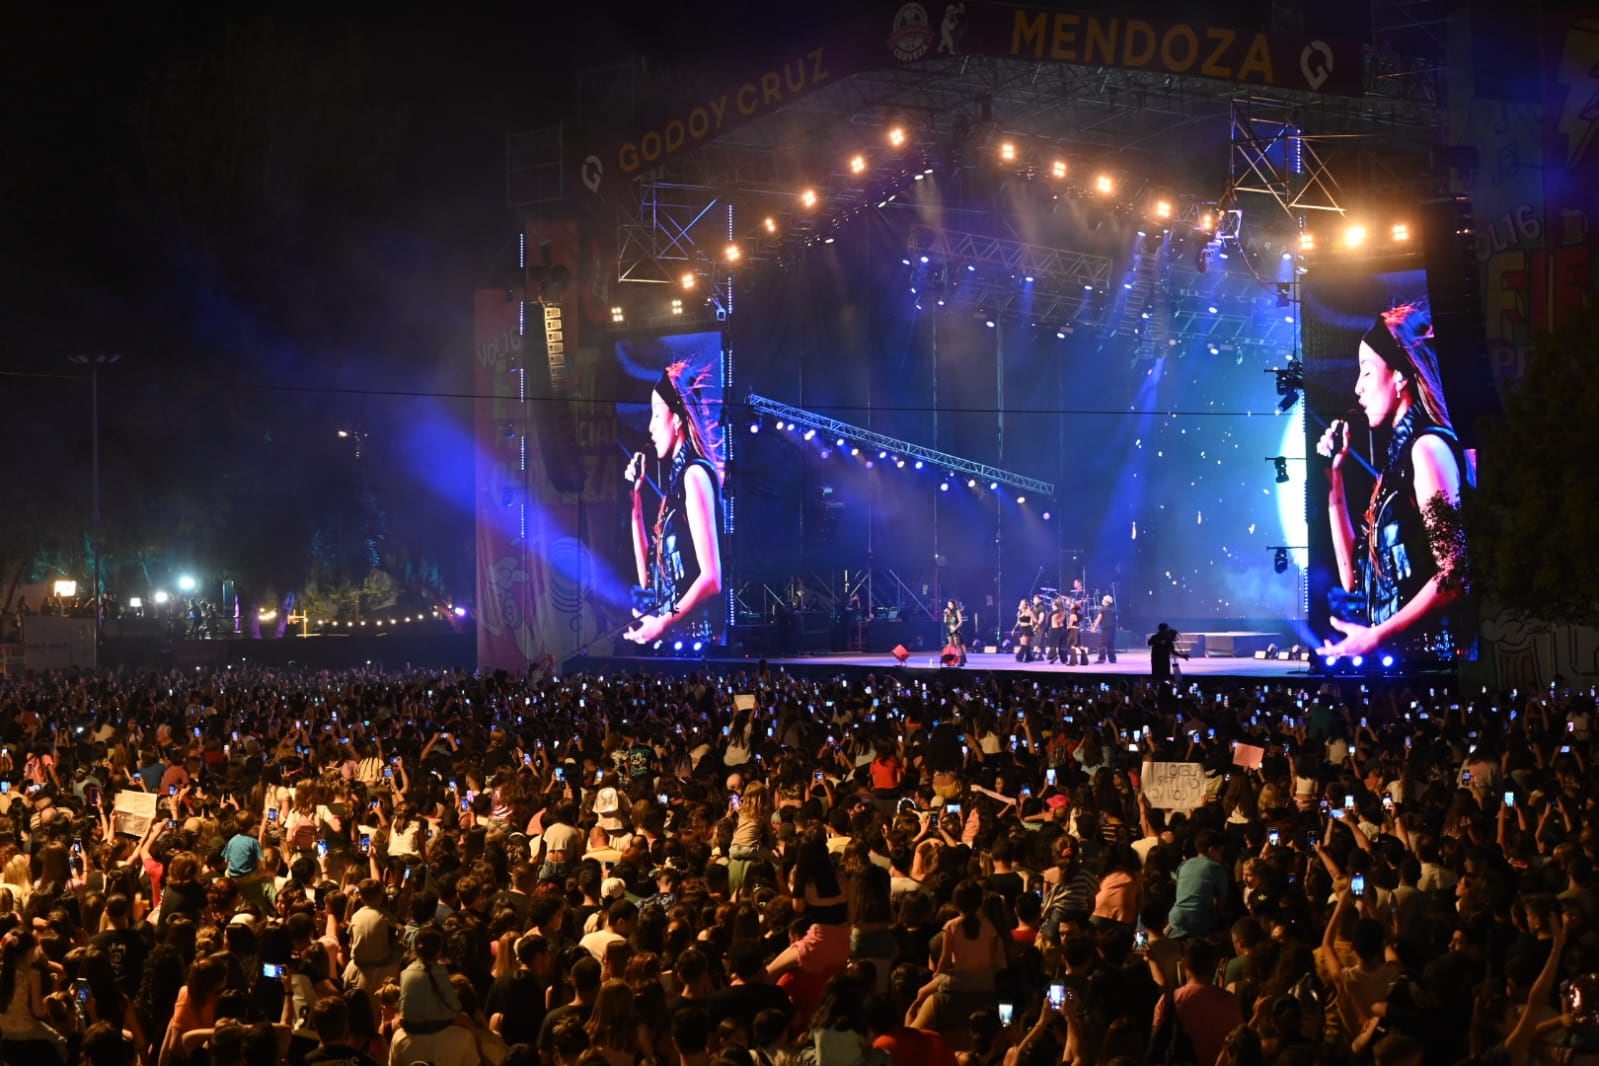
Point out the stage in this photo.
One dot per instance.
(1128, 665)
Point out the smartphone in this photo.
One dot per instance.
(322, 849)
(953, 808)
(1007, 1012)
(599, 777)
(733, 801)
(1141, 938)
(1510, 799)
(275, 971)
(1571, 727)
(1132, 746)
(1312, 840)
(1274, 837)
(196, 732)
(272, 814)
(172, 790)
(80, 991)
(366, 843)
(1465, 775)
(1357, 884)
(817, 777)
(661, 796)
(388, 773)
(1027, 792)
(5, 787)
(1057, 996)
(1565, 749)
(1349, 802)
(1049, 778)
(560, 773)
(1387, 802)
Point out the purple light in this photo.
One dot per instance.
(1046, 516)
(944, 487)
(460, 612)
(924, 259)
(840, 442)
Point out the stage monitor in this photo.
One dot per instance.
(1388, 466)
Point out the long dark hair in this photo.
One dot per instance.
(14, 950)
(814, 866)
(969, 898)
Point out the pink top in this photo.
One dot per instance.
(1117, 898)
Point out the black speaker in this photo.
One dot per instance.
(549, 411)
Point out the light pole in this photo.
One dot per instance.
(94, 363)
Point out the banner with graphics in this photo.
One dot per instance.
(917, 32)
(511, 578)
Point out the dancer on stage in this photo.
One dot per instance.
(1105, 626)
(679, 561)
(1026, 623)
(1162, 646)
(1055, 640)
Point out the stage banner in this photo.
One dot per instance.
(903, 34)
(1571, 165)
(1174, 786)
(511, 582)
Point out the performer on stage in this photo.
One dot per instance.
(679, 561)
(1075, 654)
(1393, 566)
(1105, 626)
(954, 644)
(1026, 622)
(1055, 641)
(1162, 646)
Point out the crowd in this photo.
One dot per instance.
(754, 869)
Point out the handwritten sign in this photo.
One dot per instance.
(1174, 786)
(132, 812)
(1248, 756)
(744, 701)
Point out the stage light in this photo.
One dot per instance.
(1046, 516)
(688, 280)
(1207, 221)
(1355, 236)
(1401, 231)
(1307, 242)
(971, 483)
(770, 223)
(1280, 464)
(882, 455)
(755, 426)
(677, 645)
(1330, 661)
(1104, 184)
(160, 597)
(732, 253)
(616, 316)
(1288, 256)
(1163, 209)
(943, 487)
(1028, 279)
(1358, 661)
(854, 451)
(922, 260)
(1021, 499)
(839, 442)
(1007, 152)
(918, 465)
(857, 164)
(460, 612)
(698, 645)
(993, 486)
(1387, 662)
(1211, 309)
(1060, 334)
(808, 198)
(135, 602)
(810, 434)
(1279, 560)
(989, 322)
(1284, 294)
(186, 583)
(899, 464)
(677, 307)
(896, 136)
(1057, 169)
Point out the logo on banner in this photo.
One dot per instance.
(912, 35)
(593, 173)
(1316, 63)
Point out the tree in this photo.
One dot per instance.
(1533, 518)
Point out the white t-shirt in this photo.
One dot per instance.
(596, 942)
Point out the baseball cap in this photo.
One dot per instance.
(608, 805)
(613, 888)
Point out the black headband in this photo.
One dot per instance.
(1380, 339)
(668, 391)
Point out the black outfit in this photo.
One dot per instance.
(1107, 634)
(952, 634)
(519, 999)
(1404, 561)
(743, 1002)
(1162, 646)
(1024, 635)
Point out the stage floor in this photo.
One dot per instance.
(1128, 664)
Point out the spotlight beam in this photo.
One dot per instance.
(832, 427)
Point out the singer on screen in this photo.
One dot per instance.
(1397, 582)
(679, 559)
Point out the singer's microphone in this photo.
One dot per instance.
(635, 467)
